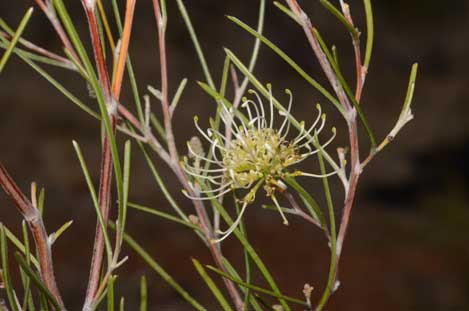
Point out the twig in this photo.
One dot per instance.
(48, 9)
(106, 159)
(351, 119)
(32, 216)
(175, 164)
(39, 50)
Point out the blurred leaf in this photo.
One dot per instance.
(256, 288)
(143, 294)
(36, 280)
(213, 287)
(310, 203)
(6, 270)
(289, 61)
(160, 271)
(16, 37)
(334, 11)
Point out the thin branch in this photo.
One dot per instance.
(351, 118)
(32, 216)
(48, 9)
(41, 51)
(106, 159)
(175, 163)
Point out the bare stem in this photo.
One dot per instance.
(32, 216)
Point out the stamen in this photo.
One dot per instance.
(317, 175)
(297, 141)
(232, 227)
(259, 100)
(218, 189)
(205, 198)
(271, 104)
(305, 155)
(198, 156)
(258, 116)
(285, 221)
(286, 115)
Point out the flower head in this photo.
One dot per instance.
(252, 152)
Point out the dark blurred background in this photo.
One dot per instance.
(408, 243)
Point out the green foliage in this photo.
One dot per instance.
(234, 118)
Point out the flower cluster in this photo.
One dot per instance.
(252, 152)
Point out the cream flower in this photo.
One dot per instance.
(257, 154)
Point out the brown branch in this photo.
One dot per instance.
(320, 55)
(41, 51)
(360, 70)
(32, 216)
(116, 88)
(106, 159)
(175, 163)
(351, 119)
(48, 9)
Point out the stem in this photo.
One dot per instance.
(106, 160)
(351, 119)
(32, 216)
(50, 13)
(174, 156)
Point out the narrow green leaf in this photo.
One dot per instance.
(143, 294)
(75, 39)
(252, 253)
(287, 11)
(94, 197)
(178, 94)
(232, 271)
(36, 280)
(16, 37)
(332, 229)
(28, 303)
(212, 286)
(61, 230)
(59, 86)
(34, 57)
(310, 203)
(257, 44)
(288, 60)
(370, 33)
(19, 245)
(41, 200)
(221, 100)
(334, 11)
(410, 90)
(110, 294)
(122, 212)
(196, 43)
(122, 304)
(256, 288)
(160, 271)
(162, 185)
(346, 87)
(163, 215)
(6, 270)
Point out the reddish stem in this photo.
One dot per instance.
(175, 163)
(32, 216)
(50, 13)
(106, 160)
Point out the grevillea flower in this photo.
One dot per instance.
(252, 153)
